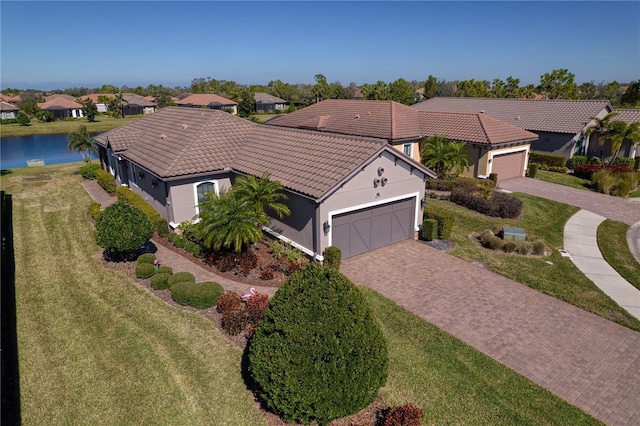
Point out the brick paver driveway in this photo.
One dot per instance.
(587, 360)
(614, 208)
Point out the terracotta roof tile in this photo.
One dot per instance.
(562, 116)
(627, 115)
(205, 99)
(10, 99)
(59, 103)
(6, 106)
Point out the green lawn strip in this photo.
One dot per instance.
(455, 384)
(264, 117)
(102, 124)
(635, 193)
(561, 279)
(95, 348)
(563, 179)
(612, 240)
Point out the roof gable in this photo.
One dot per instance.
(59, 103)
(268, 99)
(557, 115)
(6, 106)
(205, 99)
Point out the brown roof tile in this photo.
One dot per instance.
(59, 103)
(627, 115)
(205, 99)
(6, 106)
(267, 98)
(58, 96)
(562, 116)
(10, 99)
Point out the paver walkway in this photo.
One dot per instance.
(587, 360)
(614, 208)
(581, 241)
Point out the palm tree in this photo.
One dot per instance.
(120, 101)
(264, 195)
(618, 132)
(81, 142)
(228, 222)
(445, 157)
(601, 129)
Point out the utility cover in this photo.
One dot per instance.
(513, 234)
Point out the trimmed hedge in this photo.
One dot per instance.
(125, 193)
(532, 170)
(95, 209)
(459, 182)
(106, 181)
(625, 161)
(551, 160)
(429, 229)
(576, 160)
(181, 277)
(88, 171)
(145, 270)
(201, 295)
(146, 258)
(305, 369)
(500, 205)
(162, 227)
(333, 257)
(160, 281)
(445, 220)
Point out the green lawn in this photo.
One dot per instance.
(563, 179)
(635, 193)
(102, 124)
(455, 384)
(612, 240)
(95, 348)
(264, 117)
(561, 279)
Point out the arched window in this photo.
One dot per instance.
(203, 189)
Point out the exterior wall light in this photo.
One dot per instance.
(326, 227)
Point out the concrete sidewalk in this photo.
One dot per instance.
(633, 240)
(581, 241)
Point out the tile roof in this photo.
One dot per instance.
(59, 96)
(134, 99)
(94, 97)
(396, 122)
(6, 106)
(178, 141)
(205, 99)
(59, 103)
(267, 98)
(557, 115)
(627, 115)
(10, 99)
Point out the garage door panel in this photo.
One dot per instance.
(367, 229)
(508, 165)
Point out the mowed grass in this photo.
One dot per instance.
(102, 124)
(454, 383)
(612, 240)
(563, 179)
(94, 348)
(560, 279)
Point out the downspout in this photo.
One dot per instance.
(316, 232)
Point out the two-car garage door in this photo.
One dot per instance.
(367, 229)
(508, 165)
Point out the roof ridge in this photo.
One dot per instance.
(481, 118)
(515, 99)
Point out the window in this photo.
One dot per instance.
(407, 149)
(202, 189)
(133, 174)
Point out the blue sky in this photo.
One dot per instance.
(52, 44)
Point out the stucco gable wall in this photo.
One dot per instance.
(182, 199)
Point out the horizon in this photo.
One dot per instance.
(172, 43)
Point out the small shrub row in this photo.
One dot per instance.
(106, 181)
(88, 171)
(145, 270)
(459, 182)
(199, 295)
(551, 160)
(492, 241)
(557, 169)
(160, 280)
(445, 220)
(576, 160)
(181, 277)
(125, 193)
(333, 257)
(9, 121)
(585, 171)
(94, 210)
(429, 229)
(499, 205)
(625, 161)
(179, 241)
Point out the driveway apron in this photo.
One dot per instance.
(587, 360)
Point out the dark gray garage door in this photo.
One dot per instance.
(508, 165)
(368, 229)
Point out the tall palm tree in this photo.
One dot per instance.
(228, 222)
(264, 195)
(618, 132)
(81, 142)
(445, 157)
(120, 101)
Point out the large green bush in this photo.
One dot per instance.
(181, 277)
(201, 295)
(88, 171)
(122, 229)
(318, 353)
(160, 281)
(106, 181)
(125, 194)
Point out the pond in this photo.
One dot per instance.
(15, 151)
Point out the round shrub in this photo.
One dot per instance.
(181, 277)
(162, 227)
(229, 301)
(95, 209)
(160, 281)
(88, 171)
(147, 258)
(523, 247)
(165, 270)
(122, 228)
(509, 246)
(145, 270)
(496, 243)
(201, 295)
(538, 247)
(318, 353)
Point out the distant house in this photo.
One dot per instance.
(560, 124)
(493, 146)
(100, 99)
(10, 99)
(208, 100)
(352, 192)
(132, 104)
(628, 149)
(266, 103)
(62, 107)
(8, 110)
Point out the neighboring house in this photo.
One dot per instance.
(62, 108)
(59, 96)
(8, 110)
(356, 193)
(15, 100)
(208, 100)
(267, 103)
(493, 146)
(99, 99)
(560, 124)
(132, 104)
(628, 149)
